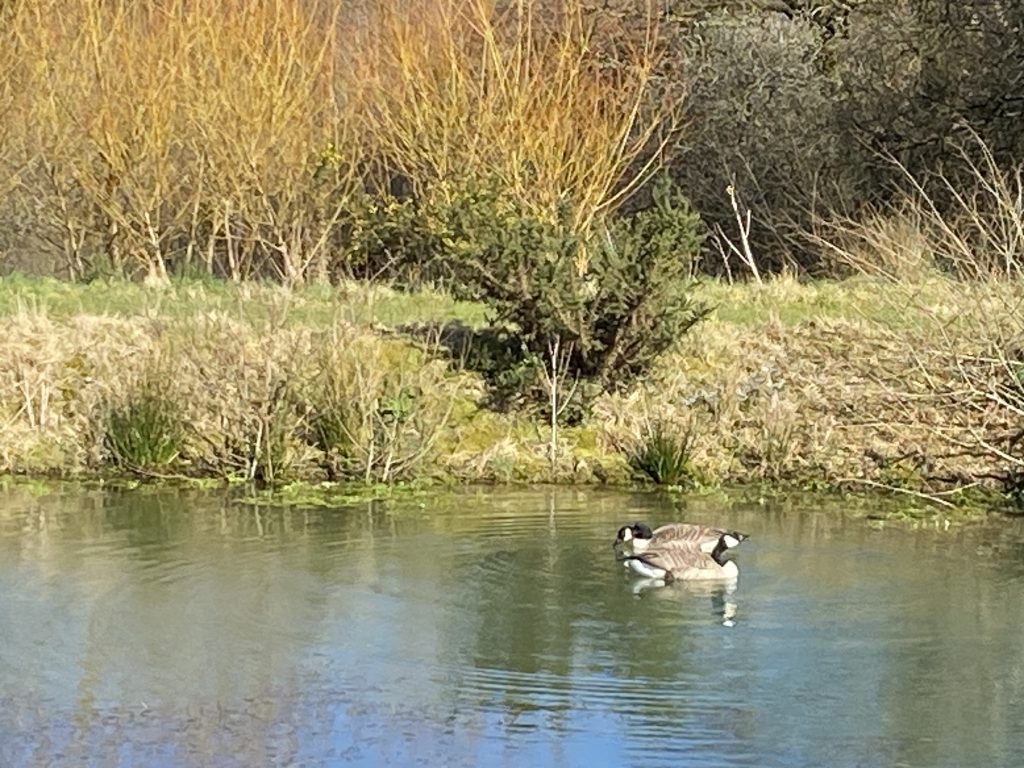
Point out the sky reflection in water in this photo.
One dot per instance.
(495, 629)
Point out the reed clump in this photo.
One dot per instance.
(663, 456)
(378, 408)
(145, 432)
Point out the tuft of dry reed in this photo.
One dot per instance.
(966, 228)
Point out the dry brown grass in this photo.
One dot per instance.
(245, 394)
(378, 408)
(52, 383)
(788, 384)
(951, 386)
(971, 230)
(833, 403)
(924, 391)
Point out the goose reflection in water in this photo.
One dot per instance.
(723, 604)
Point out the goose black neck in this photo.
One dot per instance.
(718, 553)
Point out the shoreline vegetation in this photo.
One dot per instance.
(778, 242)
(860, 385)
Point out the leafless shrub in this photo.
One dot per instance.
(968, 355)
(760, 119)
(247, 139)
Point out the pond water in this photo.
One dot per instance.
(494, 627)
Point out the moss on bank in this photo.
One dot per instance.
(855, 385)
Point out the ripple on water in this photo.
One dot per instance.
(497, 629)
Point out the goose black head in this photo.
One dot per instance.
(642, 531)
(732, 539)
(632, 531)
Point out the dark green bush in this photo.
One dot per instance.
(390, 237)
(617, 298)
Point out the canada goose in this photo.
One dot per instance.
(639, 537)
(686, 562)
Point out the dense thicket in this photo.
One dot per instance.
(490, 147)
(241, 138)
(805, 105)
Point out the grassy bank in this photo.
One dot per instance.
(861, 384)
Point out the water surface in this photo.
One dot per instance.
(494, 628)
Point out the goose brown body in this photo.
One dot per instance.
(682, 563)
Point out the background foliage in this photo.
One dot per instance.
(804, 106)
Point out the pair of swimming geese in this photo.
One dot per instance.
(678, 551)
